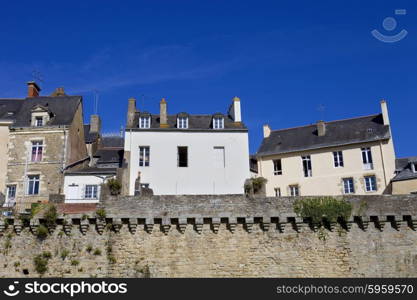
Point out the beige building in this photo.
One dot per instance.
(352, 156)
(46, 138)
(405, 182)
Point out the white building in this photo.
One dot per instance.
(186, 154)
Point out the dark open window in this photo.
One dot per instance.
(182, 157)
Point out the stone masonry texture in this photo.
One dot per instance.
(212, 236)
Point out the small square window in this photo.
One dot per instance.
(144, 122)
(294, 190)
(38, 121)
(218, 123)
(91, 191)
(182, 122)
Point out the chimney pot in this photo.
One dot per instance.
(95, 124)
(321, 128)
(163, 114)
(33, 89)
(131, 110)
(59, 91)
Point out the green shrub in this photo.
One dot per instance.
(89, 248)
(42, 232)
(46, 254)
(41, 264)
(97, 252)
(64, 254)
(101, 214)
(321, 208)
(75, 262)
(114, 186)
(50, 215)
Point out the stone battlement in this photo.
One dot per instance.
(166, 213)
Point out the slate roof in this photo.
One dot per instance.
(113, 141)
(403, 168)
(109, 156)
(195, 122)
(9, 108)
(88, 136)
(93, 171)
(338, 133)
(63, 109)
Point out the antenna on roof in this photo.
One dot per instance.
(96, 98)
(37, 77)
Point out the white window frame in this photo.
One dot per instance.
(277, 166)
(369, 181)
(34, 179)
(338, 159)
(348, 186)
(144, 151)
(91, 191)
(367, 158)
(182, 122)
(277, 192)
(294, 190)
(218, 123)
(144, 122)
(307, 166)
(8, 187)
(37, 146)
(37, 119)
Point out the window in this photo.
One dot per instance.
(348, 186)
(144, 156)
(277, 167)
(182, 122)
(370, 183)
(338, 159)
(91, 191)
(11, 192)
(367, 158)
(33, 184)
(182, 157)
(37, 147)
(144, 122)
(219, 157)
(277, 192)
(39, 121)
(307, 166)
(218, 123)
(294, 191)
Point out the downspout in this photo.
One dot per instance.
(383, 164)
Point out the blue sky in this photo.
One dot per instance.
(284, 59)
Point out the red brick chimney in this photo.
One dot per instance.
(33, 89)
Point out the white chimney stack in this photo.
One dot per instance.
(267, 131)
(384, 110)
(234, 110)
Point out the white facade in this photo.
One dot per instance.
(218, 161)
(83, 188)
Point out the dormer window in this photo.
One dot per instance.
(39, 121)
(145, 122)
(414, 167)
(218, 123)
(182, 122)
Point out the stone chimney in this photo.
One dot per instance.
(234, 110)
(267, 131)
(321, 128)
(33, 89)
(95, 124)
(58, 92)
(384, 110)
(131, 110)
(163, 114)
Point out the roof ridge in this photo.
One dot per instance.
(334, 121)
